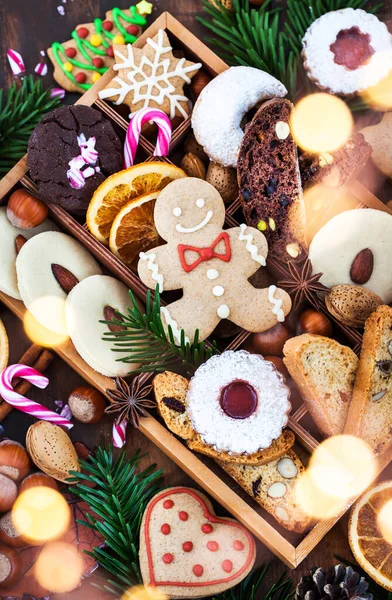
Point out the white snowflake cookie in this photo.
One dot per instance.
(238, 402)
(151, 77)
(346, 51)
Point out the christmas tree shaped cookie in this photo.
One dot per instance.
(80, 62)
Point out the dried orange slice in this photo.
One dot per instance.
(118, 189)
(3, 347)
(133, 230)
(371, 549)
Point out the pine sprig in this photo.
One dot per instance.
(21, 109)
(144, 339)
(249, 587)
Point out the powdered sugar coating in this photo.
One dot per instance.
(217, 115)
(238, 436)
(320, 60)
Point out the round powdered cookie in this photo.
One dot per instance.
(238, 402)
(85, 308)
(355, 247)
(346, 51)
(47, 267)
(221, 106)
(71, 152)
(9, 241)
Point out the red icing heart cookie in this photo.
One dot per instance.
(186, 551)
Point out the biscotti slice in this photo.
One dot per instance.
(370, 413)
(273, 487)
(269, 180)
(170, 393)
(324, 372)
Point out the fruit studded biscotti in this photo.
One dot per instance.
(370, 413)
(324, 372)
(273, 487)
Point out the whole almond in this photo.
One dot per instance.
(20, 241)
(362, 266)
(64, 278)
(351, 305)
(224, 180)
(193, 166)
(110, 314)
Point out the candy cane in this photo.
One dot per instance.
(138, 119)
(23, 404)
(119, 433)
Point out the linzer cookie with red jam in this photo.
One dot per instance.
(186, 551)
(211, 265)
(346, 51)
(269, 180)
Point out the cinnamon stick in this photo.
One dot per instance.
(41, 363)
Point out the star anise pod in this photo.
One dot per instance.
(301, 284)
(130, 402)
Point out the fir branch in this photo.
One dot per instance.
(117, 503)
(21, 109)
(144, 339)
(249, 587)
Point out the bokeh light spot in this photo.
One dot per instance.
(384, 521)
(59, 567)
(141, 592)
(48, 310)
(41, 514)
(379, 96)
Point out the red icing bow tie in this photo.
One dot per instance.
(205, 253)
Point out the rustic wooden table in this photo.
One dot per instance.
(30, 27)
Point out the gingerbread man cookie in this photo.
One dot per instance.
(211, 265)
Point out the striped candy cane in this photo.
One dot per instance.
(119, 433)
(16, 62)
(23, 404)
(138, 119)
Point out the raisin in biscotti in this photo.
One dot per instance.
(269, 180)
(170, 393)
(370, 413)
(324, 372)
(273, 487)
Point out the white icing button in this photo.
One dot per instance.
(177, 211)
(282, 130)
(200, 203)
(214, 274)
(218, 290)
(223, 311)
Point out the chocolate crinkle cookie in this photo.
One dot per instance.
(71, 152)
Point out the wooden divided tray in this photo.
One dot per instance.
(289, 547)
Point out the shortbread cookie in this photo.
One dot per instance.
(211, 265)
(379, 138)
(151, 76)
(186, 551)
(47, 267)
(223, 103)
(84, 309)
(11, 239)
(324, 372)
(71, 152)
(370, 412)
(269, 180)
(273, 486)
(346, 51)
(355, 247)
(170, 393)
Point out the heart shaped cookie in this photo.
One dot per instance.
(186, 551)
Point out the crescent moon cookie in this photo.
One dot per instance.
(346, 51)
(221, 106)
(84, 309)
(211, 265)
(186, 551)
(355, 247)
(47, 267)
(238, 402)
(8, 250)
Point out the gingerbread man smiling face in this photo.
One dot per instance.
(211, 265)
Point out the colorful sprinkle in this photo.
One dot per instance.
(118, 39)
(95, 40)
(198, 570)
(183, 515)
(67, 66)
(95, 77)
(110, 51)
(16, 62)
(144, 7)
(168, 558)
(61, 10)
(107, 25)
(133, 30)
(71, 52)
(98, 62)
(80, 77)
(82, 32)
(41, 69)
(57, 93)
(187, 546)
(207, 528)
(238, 545)
(227, 566)
(168, 504)
(213, 546)
(166, 529)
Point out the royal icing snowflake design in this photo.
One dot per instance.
(151, 77)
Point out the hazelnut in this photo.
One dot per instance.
(10, 567)
(224, 179)
(193, 166)
(315, 322)
(279, 365)
(9, 534)
(86, 404)
(25, 211)
(270, 342)
(37, 480)
(192, 145)
(8, 493)
(199, 82)
(14, 460)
